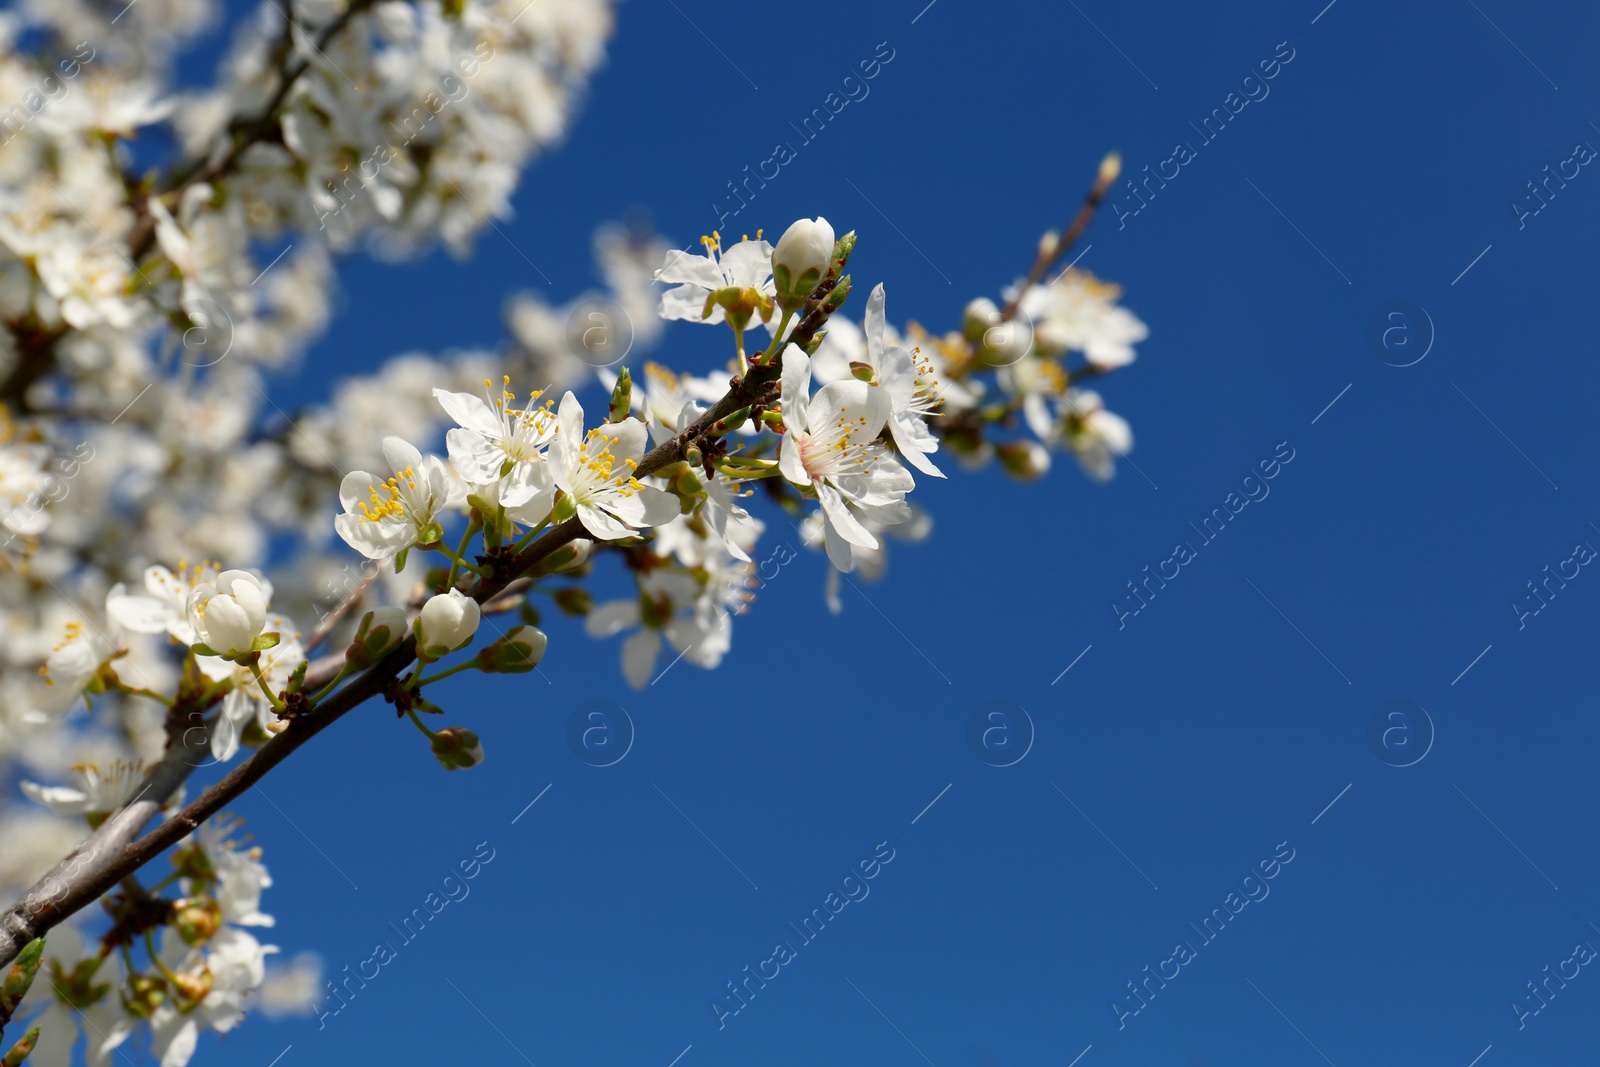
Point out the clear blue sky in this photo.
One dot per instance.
(1179, 751)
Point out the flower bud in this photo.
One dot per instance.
(457, 748)
(196, 919)
(729, 423)
(20, 977)
(1023, 459)
(143, 994)
(977, 317)
(1000, 343)
(23, 1048)
(229, 613)
(193, 987)
(1110, 169)
(379, 631)
(447, 623)
(569, 556)
(621, 397)
(517, 652)
(574, 600)
(800, 260)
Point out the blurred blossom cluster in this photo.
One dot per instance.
(145, 473)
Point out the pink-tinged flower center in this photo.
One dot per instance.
(838, 448)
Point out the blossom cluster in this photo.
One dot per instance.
(188, 570)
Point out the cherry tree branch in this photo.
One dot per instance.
(37, 349)
(115, 850)
(1053, 248)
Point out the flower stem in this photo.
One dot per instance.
(255, 669)
(777, 337)
(344, 672)
(134, 691)
(527, 538)
(456, 561)
(738, 344)
(466, 665)
(426, 732)
(155, 958)
(168, 880)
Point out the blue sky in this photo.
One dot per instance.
(1227, 724)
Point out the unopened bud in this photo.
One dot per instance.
(22, 1049)
(143, 994)
(457, 748)
(686, 483)
(1001, 343)
(574, 600)
(196, 919)
(568, 557)
(193, 987)
(1110, 170)
(842, 248)
(20, 977)
(1048, 244)
(729, 423)
(837, 296)
(379, 631)
(448, 622)
(863, 372)
(1023, 459)
(978, 316)
(517, 652)
(802, 256)
(621, 397)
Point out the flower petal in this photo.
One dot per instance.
(471, 412)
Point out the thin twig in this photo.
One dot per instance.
(111, 853)
(1050, 254)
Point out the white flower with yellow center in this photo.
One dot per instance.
(501, 447)
(1042, 385)
(241, 876)
(912, 385)
(747, 265)
(165, 609)
(597, 471)
(69, 670)
(97, 791)
(831, 444)
(1095, 434)
(383, 517)
(229, 614)
(1078, 312)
